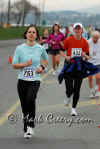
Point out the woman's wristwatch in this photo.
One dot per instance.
(43, 67)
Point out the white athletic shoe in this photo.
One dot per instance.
(67, 101)
(27, 136)
(97, 94)
(58, 70)
(29, 133)
(54, 73)
(92, 93)
(73, 112)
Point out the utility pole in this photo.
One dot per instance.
(40, 11)
(43, 12)
(23, 11)
(8, 15)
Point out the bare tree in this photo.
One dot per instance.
(1, 13)
(28, 7)
(37, 14)
(20, 10)
(16, 10)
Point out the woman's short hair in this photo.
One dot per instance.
(95, 33)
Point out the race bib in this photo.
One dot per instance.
(94, 53)
(76, 52)
(28, 73)
(45, 46)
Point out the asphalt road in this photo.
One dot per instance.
(55, 128)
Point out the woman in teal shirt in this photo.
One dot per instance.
(27, 59)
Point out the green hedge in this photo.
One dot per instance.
(14, 32)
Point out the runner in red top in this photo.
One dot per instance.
(75, 46)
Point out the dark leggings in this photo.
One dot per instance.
(27, 91)
(73, 87)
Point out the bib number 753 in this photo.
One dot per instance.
(28, 73)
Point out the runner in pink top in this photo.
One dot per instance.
(55, 41)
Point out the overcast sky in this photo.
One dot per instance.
(68, 4)
(63, 4)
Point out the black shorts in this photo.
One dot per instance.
(54, 52)
(47, 50)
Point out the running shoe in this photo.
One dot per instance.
(29, 133)
(73, 112)
(92, 93)
(97, 94)
(54, 73)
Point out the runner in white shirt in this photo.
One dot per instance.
(63, 30)
(94, 44)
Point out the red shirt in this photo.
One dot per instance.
(71, 45)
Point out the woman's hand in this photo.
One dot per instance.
(85, 56)
(40, 41)
(22, 65)
(43, 41)
(39, 69)
(53, 42)
(68, 58)
(61, 43)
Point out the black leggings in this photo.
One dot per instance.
(73, 87)
(27, 91)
